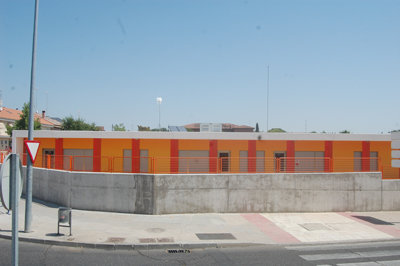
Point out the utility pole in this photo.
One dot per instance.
(29, 166)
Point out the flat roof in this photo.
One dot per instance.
(201, 135)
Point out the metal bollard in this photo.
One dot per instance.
(64, 219)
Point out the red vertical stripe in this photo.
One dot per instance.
(251, 156)
(96, 155)
(365, 154)
(135, 155)
(174, 154)
(213, 155)
(328, 154)
(59, 153)
(290, 147)
(24, 153)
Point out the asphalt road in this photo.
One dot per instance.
(373, 253)
(37, 254)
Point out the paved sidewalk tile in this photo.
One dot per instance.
(107, 228)
(386, 226)
(270, 229)
(324, 227)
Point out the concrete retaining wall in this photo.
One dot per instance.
(95, 191)
(163, 194)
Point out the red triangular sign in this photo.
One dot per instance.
(33, 148)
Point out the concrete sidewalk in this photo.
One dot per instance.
(127, 231)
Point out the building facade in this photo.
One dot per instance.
(192, 152)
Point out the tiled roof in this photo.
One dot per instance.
(224, 126)
(13, 115)
(228, 125)
(10, 114)
(191, 126)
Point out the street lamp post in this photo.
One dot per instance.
(159, 100)
(29, 165)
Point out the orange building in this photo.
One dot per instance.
(200, 152)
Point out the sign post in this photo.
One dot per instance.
(29, 165)
(32, 147)
(11, 190)
(14, 206)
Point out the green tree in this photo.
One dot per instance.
(276, 130)
(70, 123)
(159, 129)
(23, 122)
(345, 131)
(257, 128)
(143, 128)
(118, 127)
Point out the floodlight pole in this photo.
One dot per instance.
(159, 115)
(28, 192)
(159, 100)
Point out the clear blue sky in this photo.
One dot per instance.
(334, 64)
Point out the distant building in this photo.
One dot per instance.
(215, 127)
(9, 116)
(176, 129)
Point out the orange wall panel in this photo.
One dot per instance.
(315, 145)
(233, 146)
(270, 146)
(346, 148)
(47, 143)
(159, 149)
(156, 147)
(194, 145)
(114, 148)
(78, 144)
(384, 150)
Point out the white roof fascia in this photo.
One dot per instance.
(201, 135)
(7, 120)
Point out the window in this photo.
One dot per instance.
(78, 159)
(243, 161)
(373, 164)
(260, 161)
(192, 161)
(309, 161)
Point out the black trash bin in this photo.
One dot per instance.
(64, 219)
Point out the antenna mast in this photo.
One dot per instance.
(267, 97)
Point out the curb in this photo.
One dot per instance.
(177, 246)
(113, 246)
